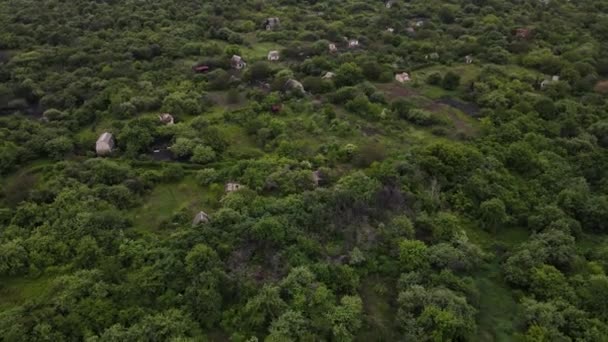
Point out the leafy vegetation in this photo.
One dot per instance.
(316, 197)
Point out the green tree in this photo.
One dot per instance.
(13, 258)
(348, 74)
(493, 213)
(201, 258)
(203, 155)
(412, 255)
(345, 319)
(87, 252)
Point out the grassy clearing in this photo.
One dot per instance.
(166, 199)
(16, 291)
(260, 50)
(499, 312)
(240, 143)
(379, 316)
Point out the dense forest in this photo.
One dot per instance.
(303, 170)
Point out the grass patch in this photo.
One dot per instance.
(166, 199)
(16, 291)
(378, 314)
(499, 314)
(259, 50)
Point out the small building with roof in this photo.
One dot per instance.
(166, 119)
(200, 218)
(271, 23)
(328, 75)
(232, 187)
(237, 62)
(294, 85)
(273, 55)
(104, 144)
(402, 77)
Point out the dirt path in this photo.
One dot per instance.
(461, 125)
(394, 90)
(468, 108)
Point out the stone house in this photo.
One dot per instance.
(273, 56)
(232, 187)
(328, 75)
(166, 118)
(402, 77)
(293, 85)
(271, 23)
(104, 144)
(200, 218)
(237, 62)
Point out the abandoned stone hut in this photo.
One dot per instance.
(328, 75)
(104, 144)
(402, 77)
(271, 23)
(200, 218)
(237, 62)
(273, 56)
(293, 85)
(166, 118)
(231, 187)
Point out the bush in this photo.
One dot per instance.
(260, 71)
(206, 176)
(434, 79)
(233, 96)
(361, 106)
(402, 108)
(422, 117)
(317, 85)
(344, 95)
(203, 155)
(450, 81)
(369, 153)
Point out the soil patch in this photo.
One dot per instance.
(31, 110)
(395, 90)
(462, 127)
(160, 150)
(470, 109)
(601, 87)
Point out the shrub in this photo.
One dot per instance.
(434, 79)
(450, 81)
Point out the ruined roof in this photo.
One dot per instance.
(231, 186)
(105, 137)
(402, 77)
(201, 217)
(292, 84)
(328, 74)
(166, 118)
(317, 177)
